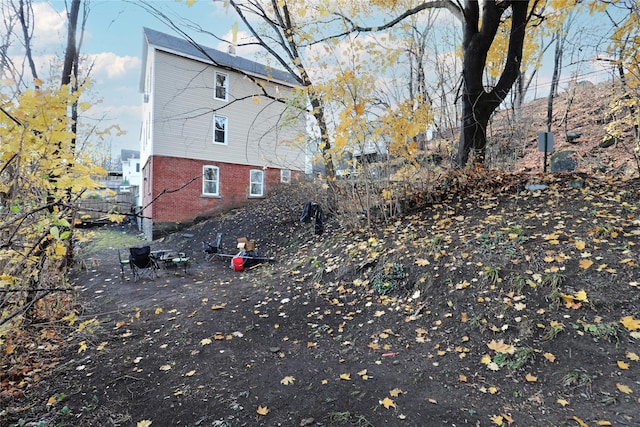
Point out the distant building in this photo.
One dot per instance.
(131, 176)
(207, 142)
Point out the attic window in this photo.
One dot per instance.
(221, 86)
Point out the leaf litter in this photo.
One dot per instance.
(512, 308)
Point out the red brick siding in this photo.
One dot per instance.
(185, 176)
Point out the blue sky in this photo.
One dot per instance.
(113, 41)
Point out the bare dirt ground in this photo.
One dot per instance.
(508, 306)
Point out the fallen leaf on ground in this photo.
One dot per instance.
(579, 421)
(288, 380)
(501, 347)
(395, 392)
(585, 263)
(388, 403)
(624, 388)
(630, 323)
(262, 410)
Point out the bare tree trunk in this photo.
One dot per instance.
(477, 103)
(25, 15)
(553, 90)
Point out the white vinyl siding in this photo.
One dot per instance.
(220, 129)
(256, 183)
(183, 124)
(210, 181)
(221, 88)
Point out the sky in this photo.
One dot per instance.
(113, 41)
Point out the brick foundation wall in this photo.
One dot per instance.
(181, 180)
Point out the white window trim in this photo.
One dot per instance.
(226, 129)
(285, 176)
(217, 170)
(261, 183)
(226, 86)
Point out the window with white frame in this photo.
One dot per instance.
(256, 183)
(220, 129)
(285, 176)
(211, 180)
(221, 86)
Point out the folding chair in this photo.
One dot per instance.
(123, 263)
(212, 249)
(142, 263)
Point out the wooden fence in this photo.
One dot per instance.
(97, 210)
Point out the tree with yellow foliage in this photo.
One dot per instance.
(624, 51)
(43, 173)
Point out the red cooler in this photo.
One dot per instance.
(238, 263)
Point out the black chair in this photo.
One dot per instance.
(212, 249)
(142, 263)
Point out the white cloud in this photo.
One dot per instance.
(111, 66)
(50, 27)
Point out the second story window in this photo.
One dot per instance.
(221, 86)
(219, 129)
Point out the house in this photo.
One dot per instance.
(216, 133)
(130, 160)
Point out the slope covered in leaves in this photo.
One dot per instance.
(503, 304)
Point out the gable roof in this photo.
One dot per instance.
(182, 47)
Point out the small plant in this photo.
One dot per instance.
(521, 357)
(477, 322)
(553, 279)
(362, 421)
(389, 280)
(515, 232)
(554, 329)
(492, 274)
(518, 282)
(603, 330)
(555, 299)
(435, 242)
(575, 379)
(603, 230)
(336, 416)
(518, 359)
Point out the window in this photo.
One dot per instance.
(285, 176)
(220, 129)
(210, 180)
(221, 86)
(256, 184)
